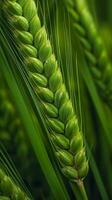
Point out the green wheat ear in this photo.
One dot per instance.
(45, 73)
(10, 189)
(92, 45)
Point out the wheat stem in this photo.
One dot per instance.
(82, 190)
(79, 190)
(47, 80)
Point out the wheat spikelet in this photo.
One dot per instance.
(44, 71)
(10, 189)
(92, 45)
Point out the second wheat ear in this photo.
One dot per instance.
(10, 189)
(92, 45)
(44, 71)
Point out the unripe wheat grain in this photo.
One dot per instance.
(43, 69)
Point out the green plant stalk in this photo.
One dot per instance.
(48, 84)
(92, 45)
(82, 190)
(79, 190)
